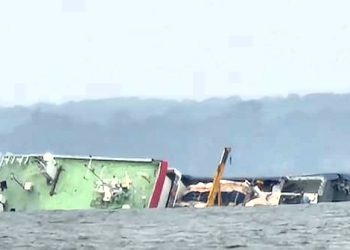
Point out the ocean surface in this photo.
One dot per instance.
(323, 226)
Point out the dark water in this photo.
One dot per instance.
(325, 226)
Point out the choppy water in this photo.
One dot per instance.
(325, 226)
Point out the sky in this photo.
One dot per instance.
(61, 50)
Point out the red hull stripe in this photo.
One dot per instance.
(159, 185)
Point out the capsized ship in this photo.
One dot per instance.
(267, 191)
(32, 182)
(60, 182)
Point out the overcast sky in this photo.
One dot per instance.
(58, 50)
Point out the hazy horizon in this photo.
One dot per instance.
(182, 99)
(270, 136)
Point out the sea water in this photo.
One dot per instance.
(322, 226)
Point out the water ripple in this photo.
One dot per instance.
(321, 226)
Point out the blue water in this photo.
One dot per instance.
(323, 226)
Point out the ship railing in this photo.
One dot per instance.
(82, 157)
(10, 159)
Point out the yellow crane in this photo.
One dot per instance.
(215, 189)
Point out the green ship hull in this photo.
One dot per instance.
(54, 182)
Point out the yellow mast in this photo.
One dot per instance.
(215, 189)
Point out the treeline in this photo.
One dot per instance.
(269, 136)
